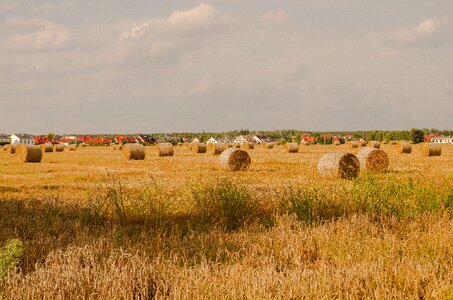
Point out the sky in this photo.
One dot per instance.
(111, 66)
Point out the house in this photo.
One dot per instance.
(145, 138)
(240, 140)
(5, 139)
(19, 138)
(306, 137)
(212, 141)
(442, 139)
(195, 140)
(224, 140)
(428, 137)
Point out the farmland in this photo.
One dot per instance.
(96, 226)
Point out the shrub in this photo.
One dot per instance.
(10, 256)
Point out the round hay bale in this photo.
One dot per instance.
(431, 149)
(362, 143)
(373, 160)
(29, 153)
(374, 144)
(354, 144)
(72, 147)
(236, 145)
(165, 149)
(385, 142)
(292, 147)
(134, 151)
(230, 145)
(216, 148)
(341, 165)
(58, 148)
(234, 159)
(337, 143)
(48, 147)
(268, 145)
(248, 145)
(199, 148)
(392, 142)
(12, 148)
(403, 147)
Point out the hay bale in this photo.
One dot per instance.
(48, 147)
(72, 147)
(385, 142)
(12, 148)
(216, 148)
(269, 146)
(199, 148)
(236, 145)
(29, 153)
(234, 159)
(362, 143)
(248, 146)
(134, 151)
(337, 143)
(403, 147)
(230, 145)
(292, 147)
(58, 148)
(373, 160)
(431, 149)
(354, 144)
(165, 149)
(374, 144)
(341, 165)
(392, 142)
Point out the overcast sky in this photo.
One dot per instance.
(116, 66)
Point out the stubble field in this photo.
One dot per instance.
(94, 226)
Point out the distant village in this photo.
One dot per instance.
(149, 139)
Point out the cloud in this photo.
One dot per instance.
(274, 17)
(430, 31)
(28, 35)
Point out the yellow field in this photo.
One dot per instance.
(95, 226)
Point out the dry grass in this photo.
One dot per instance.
(95, 226)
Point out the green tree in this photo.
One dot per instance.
(417, 135)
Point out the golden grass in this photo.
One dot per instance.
(161, 248)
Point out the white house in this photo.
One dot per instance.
(442, 139)
(211, 141)
(256, 140)
(240, 140)
(26, 139)
(5, 139)
(195, 140)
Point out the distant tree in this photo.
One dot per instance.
(417, 135)
(50, 135)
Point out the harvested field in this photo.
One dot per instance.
(93, 223)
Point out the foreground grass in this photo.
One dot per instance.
(378, 237)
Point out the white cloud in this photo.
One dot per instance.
(200, 17)
(424, 33)
(34, 35)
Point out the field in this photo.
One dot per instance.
(90, 225)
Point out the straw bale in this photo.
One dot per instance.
(341, 165)
(235, 159)
(133, 151)
(354, 144)
(337, 143)
(292, 147)
(362, 143)
(12, 148)
(373, 160)
(29, 153)
(248, 146)
(403, 147)
(199, 148)
(268, 145)
(374, 144)
(216, 148)
(431, 149)
(58, 148)
(165, 149)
